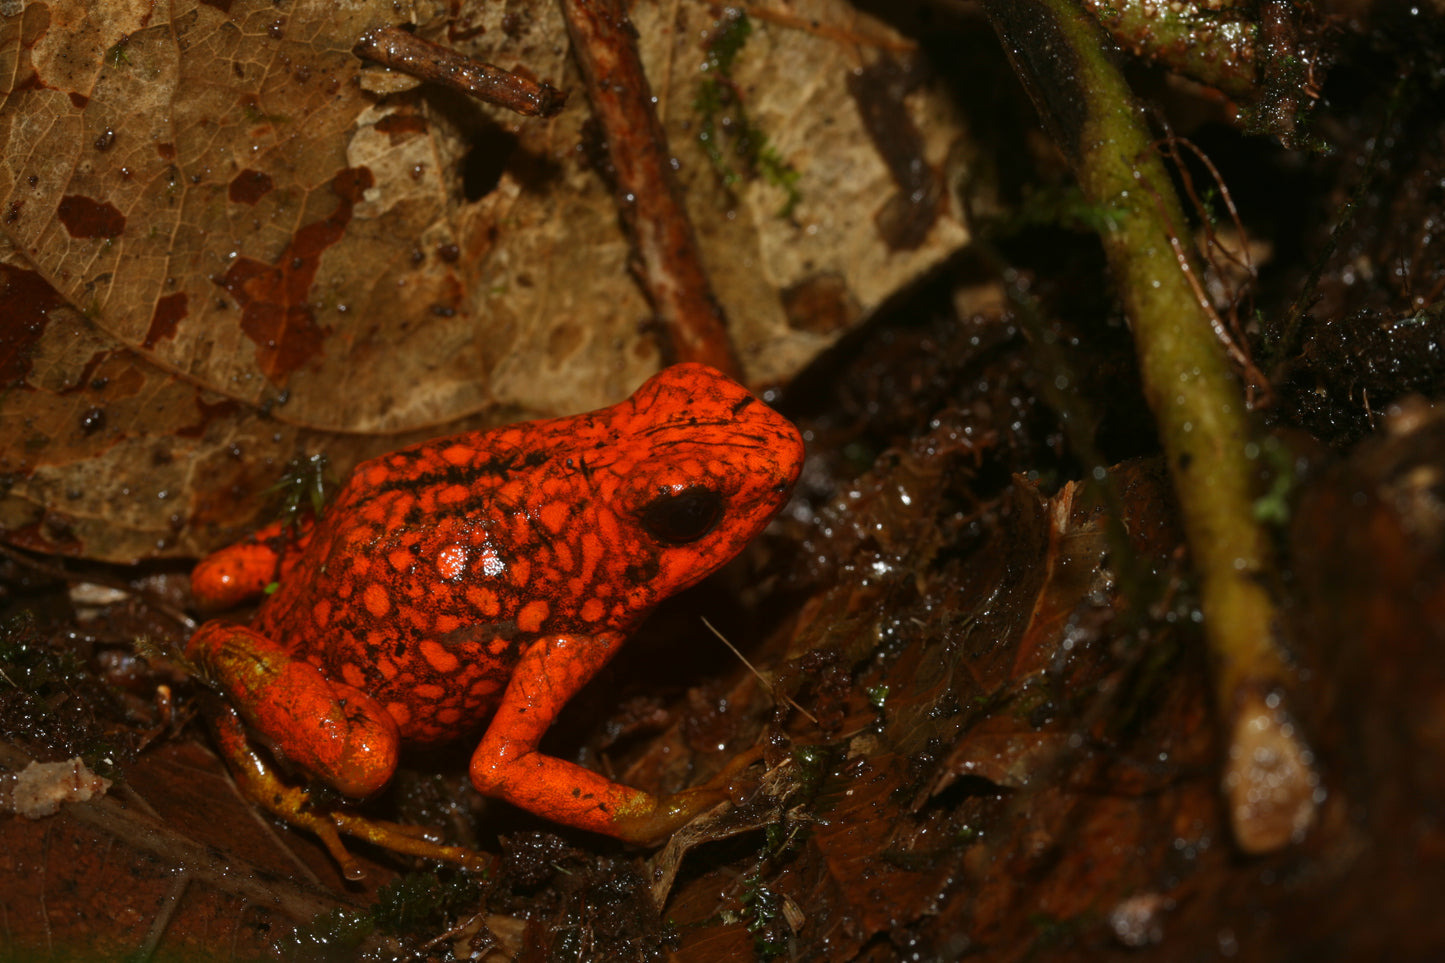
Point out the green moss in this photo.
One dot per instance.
(726, 133)
(1064, 207)
(812, 763)
(763, 910)
(304, 487)
(49, 700)
(417, 905)
(1273, 507)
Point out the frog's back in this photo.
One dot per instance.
(422, 525)
(437, 564)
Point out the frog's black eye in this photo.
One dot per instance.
(677, 518)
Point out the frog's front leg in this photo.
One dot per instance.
(506, 763)
(241, 572)
(335, 732)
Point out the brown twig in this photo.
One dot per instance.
(1232, 335)
(1255, 379)
(1170, 145)
(396, 48)
(648, 194)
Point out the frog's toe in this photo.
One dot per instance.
(412, 840)
(654, 824)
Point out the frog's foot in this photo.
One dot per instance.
(507, 765)
(412, 840)
(567, 793)
(259, 783)
(652, 825)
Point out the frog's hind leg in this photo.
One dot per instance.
(259, 783)
(262, 786)
(334, 731)
(329, 729)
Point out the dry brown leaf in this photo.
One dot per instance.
(215, 195)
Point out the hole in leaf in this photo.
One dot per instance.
(485, 160)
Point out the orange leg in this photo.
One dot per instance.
(240, 572)
(262, 786)
(507, 764)
(333, 731)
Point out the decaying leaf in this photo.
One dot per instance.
(42, 787)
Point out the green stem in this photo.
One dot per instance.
(1069, 66)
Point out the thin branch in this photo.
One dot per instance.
(649, 198)
(433, 63)
(744, 660)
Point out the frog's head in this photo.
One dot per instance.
(707, 466)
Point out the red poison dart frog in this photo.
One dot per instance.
(488, 575)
